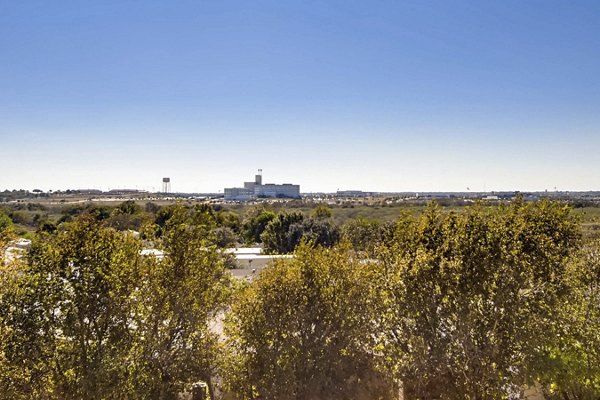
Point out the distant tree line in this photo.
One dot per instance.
(476, 304)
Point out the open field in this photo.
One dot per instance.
(27, 213)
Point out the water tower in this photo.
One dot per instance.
(166, 185)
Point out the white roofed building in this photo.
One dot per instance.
(256, 189)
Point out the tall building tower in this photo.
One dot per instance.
(166, 185)
(258, 177)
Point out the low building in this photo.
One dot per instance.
(239, 194)
(246, 261)
(249, 261)
(256, 189)
(353, 193)
(286, 190)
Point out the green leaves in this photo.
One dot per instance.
(80, 289)
(471, 296)
(5, 222)
(87, 317)
(287, 230)
(573, 363)
(472, 304)
(303, 330)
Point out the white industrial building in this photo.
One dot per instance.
(250, 261)
(239, 194)
(256, 189)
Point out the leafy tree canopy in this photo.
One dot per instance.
(302, 331)
(472, 297)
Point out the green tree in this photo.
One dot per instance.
(471, 298)
(73, 315)
(162, 217)
(129, 207)
(100, 212)
(151, 207)
(316, 231)
(225, 237)
(20, 217)
(303, 330)
(6, 225)
(87, 317)
(287, 230)
(322, 212)
(12, 375)
(128, 215)
(255, 224)
(229, 219)
(574, 364)
(366, 235)
(278, 237)
(181, 296)
(47, 227)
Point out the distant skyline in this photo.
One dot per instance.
(376, 96)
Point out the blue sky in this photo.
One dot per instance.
(373, 95)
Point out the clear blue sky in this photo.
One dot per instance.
(374, 95)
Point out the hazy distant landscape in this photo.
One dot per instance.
(29, 209)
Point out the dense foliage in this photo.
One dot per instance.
(287, 230)
(573, 364)
(477, 304)
(88, 317)
(471, 297)
(304, 330)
